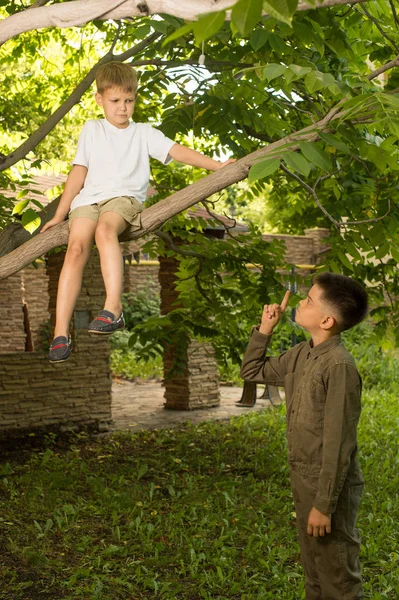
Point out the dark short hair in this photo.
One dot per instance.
(346, 295)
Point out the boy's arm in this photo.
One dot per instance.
(341, 417)
(73, 185)
(256, 366)
(188, 156)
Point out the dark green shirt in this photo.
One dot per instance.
(322, 390)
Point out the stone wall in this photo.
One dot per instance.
(36, 394)
(302, 249)
(142, 276)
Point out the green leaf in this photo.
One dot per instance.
(332, 140)
(316, 80)
(282, 10)
(258, 39)
(382, 250)
(296, 72)
(316, 155)
(263, 169)
(182, 31)
(245, 15)
(208, 25)
(277, 43)
(273, 70)
(352, 250)
(20, 207)
(30, 220)
(297, 163)
(37, 203)
(395, 253)
(345, 261)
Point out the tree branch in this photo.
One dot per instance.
(218, 220)
(153, 217)
(170, 244)
(61, 111)
(384, 68)
(395, 16)
(312, 192)
(380, 29)
(80, 12)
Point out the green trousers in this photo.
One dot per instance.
(331, 563)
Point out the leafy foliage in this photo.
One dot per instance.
(211, 282)
(264, 78)
(139, 306)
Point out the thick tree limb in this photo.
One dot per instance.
(389, 65)
(153, 217)
(47, 126)
(80, 12)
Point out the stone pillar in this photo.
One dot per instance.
(318, 235)
(36, 394)
(196, 384)
(12, 337)
(35, 283)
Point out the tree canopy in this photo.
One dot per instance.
(305, 95)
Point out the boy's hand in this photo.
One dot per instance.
(225, 163)
(318, 523)
(271, 315)
(51, 223)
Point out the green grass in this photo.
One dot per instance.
(194, 513)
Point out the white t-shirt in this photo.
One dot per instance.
(118, 160)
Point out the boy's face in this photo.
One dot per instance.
(313, 314)
(118, 106)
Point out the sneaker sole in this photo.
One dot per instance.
(59, 360)
(96, 332)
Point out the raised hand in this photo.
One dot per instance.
(271, 315)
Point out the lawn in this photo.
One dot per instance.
(193, 513)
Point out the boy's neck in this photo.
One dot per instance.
(322, 335)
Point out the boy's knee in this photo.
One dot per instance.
(105, 233)
(77, 250)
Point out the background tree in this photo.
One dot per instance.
(307, 99)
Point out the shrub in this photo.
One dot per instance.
(140, 306)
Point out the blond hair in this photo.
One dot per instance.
(118, 75)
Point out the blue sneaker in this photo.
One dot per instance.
(60, 349)
(106, 323)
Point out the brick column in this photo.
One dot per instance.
(36, 299)
(197, 383)
(36, 394)
(12, 338)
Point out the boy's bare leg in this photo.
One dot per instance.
(110, 226)
(81, 238)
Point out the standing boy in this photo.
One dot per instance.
(104, 193)
(323, 389)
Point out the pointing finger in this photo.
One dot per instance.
(285, 301)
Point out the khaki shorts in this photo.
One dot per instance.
(128, 207)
